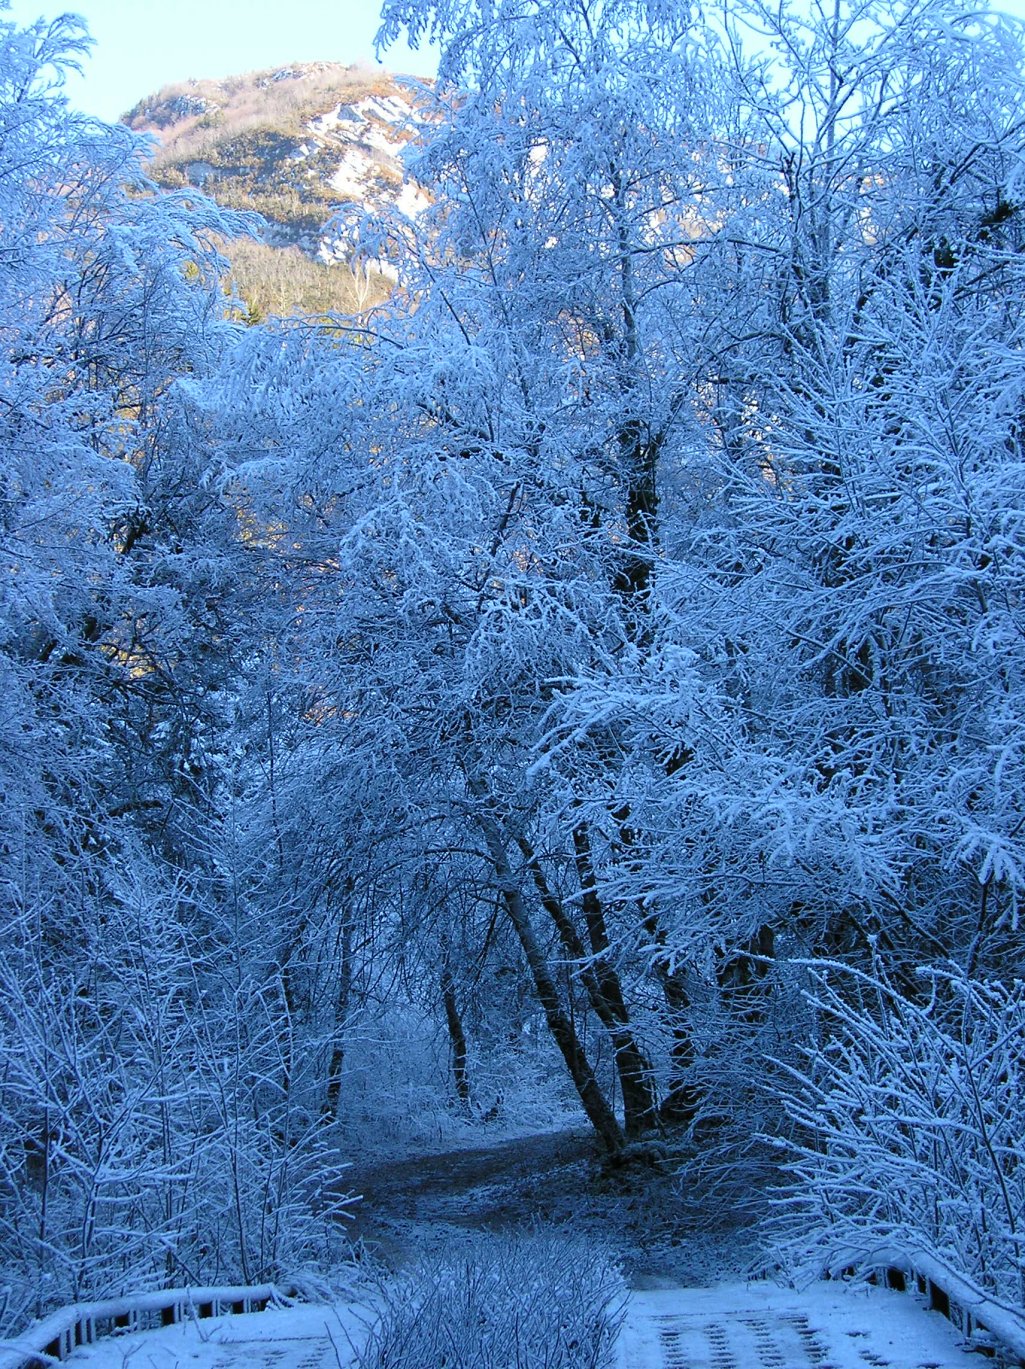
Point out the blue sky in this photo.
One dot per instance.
(141, 45)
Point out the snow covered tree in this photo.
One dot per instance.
(478, 523)
(126, 596)
(620, 572)
(753, 411)
(836, 684)
(627, 605)
(870, 462)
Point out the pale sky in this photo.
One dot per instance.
(141, 45)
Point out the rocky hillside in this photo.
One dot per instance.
(296, 144)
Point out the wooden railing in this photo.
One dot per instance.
(53, 1339)
(986, 1323)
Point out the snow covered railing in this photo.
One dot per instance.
(987, 1324)
(53, 1339)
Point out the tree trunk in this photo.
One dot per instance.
(639, 1104)
(596, 1106)
(456, 1036)
(336, 1063)
(606, 996)
(682, 1101)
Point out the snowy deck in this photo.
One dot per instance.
(734, 1326)
(760, 1326)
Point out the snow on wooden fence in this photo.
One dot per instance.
(53, 1339)
(987, 1324)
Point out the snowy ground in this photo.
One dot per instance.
(733, 1326)
(310, 1337)
(688, 1309)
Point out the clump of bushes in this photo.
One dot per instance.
(529, 1301)
(909, 1118)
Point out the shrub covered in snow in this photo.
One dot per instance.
(912, 1114)
(534, 1301)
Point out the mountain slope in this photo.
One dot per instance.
(297, 144)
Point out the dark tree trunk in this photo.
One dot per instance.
(683, 1099)
(640, 1110)
(604, 992)
(336, 1063)
(456, 1036)
(596, 1106)
(741, 975)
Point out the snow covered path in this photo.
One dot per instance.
(760, 1326)
(734, 1326)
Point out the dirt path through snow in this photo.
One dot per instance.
(421, 1204)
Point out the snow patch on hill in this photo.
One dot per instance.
(369, 138)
